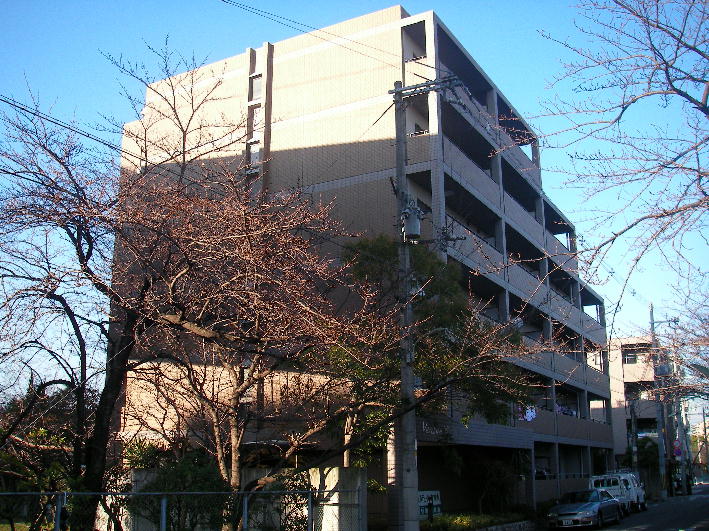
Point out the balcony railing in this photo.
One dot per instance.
(596, 378)
(520, 160)
(486, 259)
(572, 427)
(531, 287)
(592, 328)
(491, 130)
(469, 172)
(560, 254)
(563, 310)
(599, 431)
(525, 222)
(539, 358)
(569, 368)
(544, 422)
(644, 409)
(563, 367)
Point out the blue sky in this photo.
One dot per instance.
(54, 49)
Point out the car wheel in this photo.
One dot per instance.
(600, 522)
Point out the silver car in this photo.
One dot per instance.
(585, 508)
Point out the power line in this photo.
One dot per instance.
(142, 159)
(312, 30)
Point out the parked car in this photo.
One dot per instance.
(623, 486)
(593, 507)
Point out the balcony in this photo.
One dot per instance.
(544, 422)
(546, 489)
(562, 367)
(525, 222)
(537, 358)
(569, 369)
(470, 174)
(572, 427)
(560, 254)
(644, 409)
(496, 135)
(599, 431)
(562, 309)
(568, 484)
(531, 287)
(550, 423)
(485, 258)
(520, 160)
(592, 328)
(596, 378)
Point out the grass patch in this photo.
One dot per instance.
(464, 522)
(19, 526)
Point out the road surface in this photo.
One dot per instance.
(679, 513)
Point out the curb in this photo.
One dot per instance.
(526, 525)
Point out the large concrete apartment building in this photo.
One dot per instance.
(318, 118)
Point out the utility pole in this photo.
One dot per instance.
(661, 369)
(634, 436)
(403, 487)
(706, 447)
(685, 458)
(660, 409)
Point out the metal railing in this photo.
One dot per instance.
(287, 510)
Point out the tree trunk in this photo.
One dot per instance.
(83, 515)
(349, 429)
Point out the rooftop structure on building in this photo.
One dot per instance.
(317, 119)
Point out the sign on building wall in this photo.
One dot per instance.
(429, 499)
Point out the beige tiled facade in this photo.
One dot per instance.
(633, 376)
(316, 110)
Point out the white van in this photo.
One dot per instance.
(623, 486)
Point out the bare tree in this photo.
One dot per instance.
(173, 258)
(637, 119)
(687, 341)
(65, 322)
(178, 269)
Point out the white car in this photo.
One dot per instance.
(623, 486)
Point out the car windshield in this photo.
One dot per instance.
(582, 496)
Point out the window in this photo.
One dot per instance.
(255, 87)
(632, 351)
(253, 156)
(254, 123)
(630, 357)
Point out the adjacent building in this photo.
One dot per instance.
(634, 371)
(632, 392)
(318, 117)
